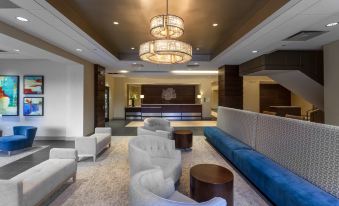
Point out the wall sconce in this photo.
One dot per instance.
(199, 96)
(142, 97)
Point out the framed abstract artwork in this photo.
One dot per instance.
(33, 106)
(9, 95)
(33, 84)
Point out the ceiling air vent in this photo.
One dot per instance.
(305, 35)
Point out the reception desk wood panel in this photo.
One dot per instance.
(167, 111)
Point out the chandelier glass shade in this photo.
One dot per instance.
(167, 26)
(165, 51)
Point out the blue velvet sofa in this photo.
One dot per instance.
(291, 162)
(277, 183)
(23, 137)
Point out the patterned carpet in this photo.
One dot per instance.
(106, 181)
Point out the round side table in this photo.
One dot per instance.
(208, 181)
(183, 139)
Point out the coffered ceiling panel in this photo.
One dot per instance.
(234, 18)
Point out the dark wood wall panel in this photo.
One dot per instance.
(230, 87)
(99, 96)
(308, 62)
(273, 95)
(185, 94)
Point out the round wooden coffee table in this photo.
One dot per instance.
(208, 181)
(183, 139)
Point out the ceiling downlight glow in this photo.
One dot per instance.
(115, 23)
(254, 51)
(19, 18)
(215, 24)
(194, 72)
(332, 24)
(123, 71)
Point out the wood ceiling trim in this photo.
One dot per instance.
(67, 9)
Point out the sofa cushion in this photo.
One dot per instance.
(281, 185)
(170, 167)
(41, 179)
(14, 142)
(224, 142)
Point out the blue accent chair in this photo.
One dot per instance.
(23, 138)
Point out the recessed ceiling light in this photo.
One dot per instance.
(197, 48)
(196, 63)
(123, 71)
(134, 63)
(115, 23)
(215, 24)
(332, 24)
(254, 51)
(79, 50)
(19, 18)
(194, 72)
(16, 50)
(132, 48)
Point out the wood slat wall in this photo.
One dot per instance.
(230, 87)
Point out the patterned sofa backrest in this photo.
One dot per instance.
(238, 123)
(308, 149)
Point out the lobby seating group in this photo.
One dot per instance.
(155, 169)
(23, 137)
(91, 146)
(292, 162)
(156, 127)
(33, 186)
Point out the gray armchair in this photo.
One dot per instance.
(150, 188)
(156, 127)
(151, 152)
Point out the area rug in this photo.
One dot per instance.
(105, 182)
(179, 124)
(5, 159)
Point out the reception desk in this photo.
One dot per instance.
(167, 111)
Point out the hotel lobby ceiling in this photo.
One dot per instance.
(234, 18)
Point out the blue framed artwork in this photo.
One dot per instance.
(33, 106)
(33, 84)
(9, 95)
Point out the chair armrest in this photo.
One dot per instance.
(103, 130)
(11, 193)
(86, 145)
(141, 131)
(63, 153)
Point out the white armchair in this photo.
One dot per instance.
(156, 127)
(150, 152)
(150, 188)
(94, 144)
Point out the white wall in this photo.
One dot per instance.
(331, 83)
(64, 103)
(120, 90)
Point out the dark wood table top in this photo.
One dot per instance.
(183, 132)
(212, 174)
